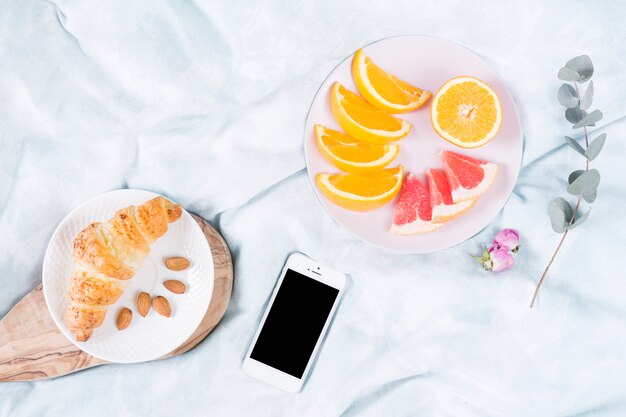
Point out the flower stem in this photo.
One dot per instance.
(545, 272)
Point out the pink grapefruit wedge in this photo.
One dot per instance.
(413, 210)
(469, 178)
(444, 209)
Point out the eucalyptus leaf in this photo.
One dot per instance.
(579, 220)
(568, 74)
(595, 147)
(575, 145)
(587, 98)
(560, 214)
(582, 65)
(567, 96)
(590, 197)
(572, 177)
(589, 120)
(575, 114)
(585, 183)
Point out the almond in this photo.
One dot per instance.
(177, 263)
(175, 286)
(143, 303)
(124, 318)
(162, 306)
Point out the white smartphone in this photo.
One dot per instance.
(294, 323)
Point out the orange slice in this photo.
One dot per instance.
(466, 112)
(363, 121)
(384, 90)
(361, 192)
(351, 155)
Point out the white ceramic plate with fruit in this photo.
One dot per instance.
(179, 292)
(413, 144)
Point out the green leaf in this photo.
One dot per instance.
(579, 220)
(560, 214)
(568, 74)
(575, 115)
(587, 98)
(585, 183)
(589, 120)
(572, 177)
(595, 147)
(575, 145)
(582, 65)
(567, 96)
(590, 197)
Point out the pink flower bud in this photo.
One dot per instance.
(507, 239)
(499, 260)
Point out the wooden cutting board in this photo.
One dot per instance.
(32, 347)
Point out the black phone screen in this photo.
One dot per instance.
(294, 323)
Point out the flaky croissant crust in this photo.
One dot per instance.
(107, 255)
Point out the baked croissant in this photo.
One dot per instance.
(107, 255)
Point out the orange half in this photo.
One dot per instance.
(466, 112)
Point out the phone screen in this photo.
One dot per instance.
(294, 323)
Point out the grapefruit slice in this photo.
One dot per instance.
(444, 209)
(469, 178)
(413, 211)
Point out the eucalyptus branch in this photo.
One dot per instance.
(545, 272)
(582, 183)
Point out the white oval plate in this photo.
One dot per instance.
(428, 63)
(147, 337)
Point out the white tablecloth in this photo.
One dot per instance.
(206, 102)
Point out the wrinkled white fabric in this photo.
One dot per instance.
(205, 102)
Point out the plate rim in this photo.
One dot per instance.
(47, 255)
(306, 157)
